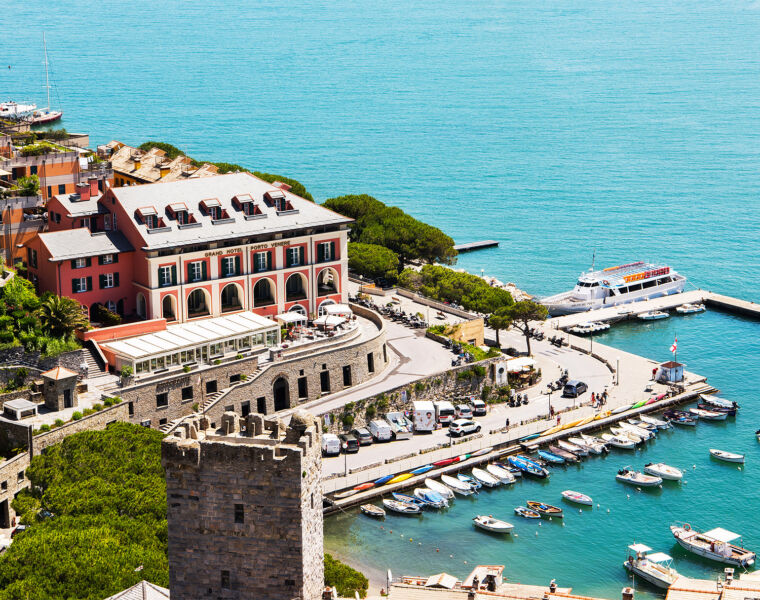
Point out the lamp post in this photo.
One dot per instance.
(617, 372)
(550, 402)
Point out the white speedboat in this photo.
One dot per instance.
(714, 544)
(590, 439)
(727, 456)
(624, 433)
(16, 110)
(406, 508)
(632, 477)
(485, 478)
(577, 497)
(437, 486)
(653, 315)
(689, 308)
(615, 286)
(644, 434)
(618, 442)
(590, 327)
(659, 423)
(488, 523)
(718, 401)
(460, 487)
(663, 470)
(500, 473)
(581, 443)
(642, 424)
(430, 498)
(655, 568)
(568, 447)
(708, 415)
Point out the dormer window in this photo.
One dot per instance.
(245, 203)
(149, 217)
(274, 198)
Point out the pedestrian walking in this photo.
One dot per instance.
(593, 399)
(507, 425)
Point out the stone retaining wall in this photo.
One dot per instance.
(94, 422)
(71, 360)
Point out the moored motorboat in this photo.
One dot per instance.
(405, 508)
(653, 315)
(568, 447)
(591, 447)
(659, 423)
(644, 434)
(527, 513)
(488, 523)
(731, 412)
(577, 497)
(372, 511)
(689, 308)
(590, 439)
(456, 485)
(469, 480)
(430, 498)
(627, 475)
(545, 510)
(708, 415)
(500, 473)
(589, 327)
(568, 456)
(642, 424)
(664, 471)
(718, 401)
(655, 568)
(624, 433)
(618, 442)
(407, 498)
(528, 466)
(715, 544)
(437, 486)
(551, 457)
(485, 478)
(680, 417)
(726, 456)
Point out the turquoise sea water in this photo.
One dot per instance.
(557, 128)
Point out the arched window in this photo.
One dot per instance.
(168, 311)
(322, 306)
(297, 308)
(327, 282)
(263, 293)
(140, 306)
(295, 288)
(197, 304)
(281, 393)
(231, 298)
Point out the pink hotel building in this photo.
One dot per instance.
(192, 249)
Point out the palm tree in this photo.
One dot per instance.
(61, 316)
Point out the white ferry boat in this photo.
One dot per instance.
(616, 285)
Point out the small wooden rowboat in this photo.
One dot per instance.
(545, 510)
(527, 513)
(372, 511)
(708, 415)
(401, 507)
(488, 523)
(723, 455)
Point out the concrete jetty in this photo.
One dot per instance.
(664, 303)
(470, 246)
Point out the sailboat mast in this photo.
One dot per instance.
(47, 78)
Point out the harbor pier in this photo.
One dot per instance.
(470, 246)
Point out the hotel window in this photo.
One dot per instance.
(32, 258)
(230, 266)
(249, 208)
(81, 263)
(57, 218)
(142, 367)
(33, 170)
(239, 513)
(244, 343)
(162, 400)
(62, 188)
(271, 338)
(325, 251)
(294, 256)
(196, 271)
(215, 212)
(86, 223)
(81, 284)
(50, 191)
(106, 222)
(167, 275)
(151, 221)
(108, 259)
(182, 217)
(229, 346)
(109, 280)
(262, 261)
(215, 350)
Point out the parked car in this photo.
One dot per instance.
(464, 411)
(348, 443)
(574, 388)
(461, 427)
(380, 430)
(362, 435)
(478, 408)
(330, 445)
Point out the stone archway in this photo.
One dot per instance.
(281, 393)
(168, 308)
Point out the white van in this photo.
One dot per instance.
(423, 415)
(330, 444)
(380, 430)
(444, 412)
(478, 408)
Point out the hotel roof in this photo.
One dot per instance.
(80, 243)
(189, 335)
(236, 223)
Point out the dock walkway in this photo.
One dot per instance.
(470, 246)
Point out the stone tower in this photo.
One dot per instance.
(245, 510)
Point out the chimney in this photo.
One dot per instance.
(93, 181)
(83, 190)
(163, 170)
(627, 593)
(138, 163)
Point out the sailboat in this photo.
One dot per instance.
(45, 115)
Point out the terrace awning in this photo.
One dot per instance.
(337, 309)
(291, 317)
(329, 321)
(523, 363)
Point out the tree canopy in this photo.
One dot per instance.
(447, 285)
(521, 314)
(391, 227)
(373, 261)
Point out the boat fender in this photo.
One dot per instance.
(687, 527)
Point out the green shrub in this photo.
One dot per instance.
(437, 329)
(419, 387)
(97, 406)
(126, 372)
(186, 368)
(108, 402)
(479, 370)
(76, 416)
(45, 427)
(116, 399)
(485, 392)
(217, 362)
(238, 356)
(101, 314)
(87, 412)
(348, 420)
(195, 407)
(346, 580)
(58, 423)
(370, 412)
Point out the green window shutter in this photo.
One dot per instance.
(89, 284)
(102, 281)
(89, 261)
(204, 271)
(269, 260)
(237, 265)
(320, 252)
(100, 260)
(74, 289)
(174, 274)
(73, 264)
(115, 280)
(223, 266)
(332, 251)
(115, 258)
(300, 255)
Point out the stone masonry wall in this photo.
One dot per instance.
(12, 481)
(71, 360)
(94, 422)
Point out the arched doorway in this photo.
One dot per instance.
(295, 288)
(197, 304)
(168, 309)
(327, 282)
(263, 293)
(322, 306)
(231, 298)
(281, 393)
(140, 306)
